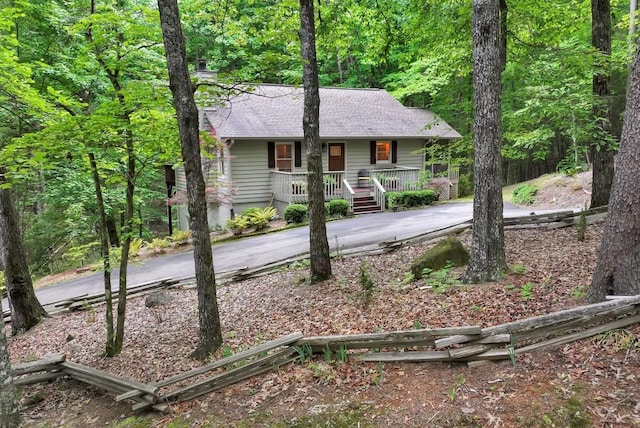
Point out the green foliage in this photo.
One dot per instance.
(250, 211)
(366, 284)
(411, 198)
(3, 286)
(238, 224)
(570, 413)
(180, 236)
(526, 291)
(296, 213)
(465, 185)
(305, 352)
(518, 269)
(440, 280)
(135, 422)
(337, 208)
(525, 194)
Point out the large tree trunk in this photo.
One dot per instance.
(601, 153)
(318, 243)
(26, 310)
(487, 261)
(9, 410)
(183, 100)
(618, 268)
(106, 262)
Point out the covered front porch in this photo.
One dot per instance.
(365, 190)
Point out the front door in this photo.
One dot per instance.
(336, 156)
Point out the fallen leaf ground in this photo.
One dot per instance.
(589, 383)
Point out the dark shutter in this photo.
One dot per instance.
(394, 151)
(372, 153)
(298, 153)
(271, 153)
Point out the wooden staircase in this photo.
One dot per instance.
(364, 203)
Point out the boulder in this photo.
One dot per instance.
(157, 298)
(448, 250)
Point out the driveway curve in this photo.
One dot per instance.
(256, 251)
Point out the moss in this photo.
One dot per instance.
(448, 251)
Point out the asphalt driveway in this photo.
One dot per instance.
(260, 250)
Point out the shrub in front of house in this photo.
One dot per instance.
(525, 194)
(411, 198)
(248, 212)
(238, 224)
(295, 213)
(259, 218)
(337, 207)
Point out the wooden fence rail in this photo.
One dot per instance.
(470, 344)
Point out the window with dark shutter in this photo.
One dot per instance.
(394, 151)
(372, 152)
(298, 154)
(271, 153)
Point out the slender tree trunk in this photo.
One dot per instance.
(26, 310)
(618, 268)
(487, 261)
(113, 232)
(187, 113)
(9, 409)
(318, 243)
(504, 11)
(633, 7)
(601, 153)
(127, 231)
(106, 262)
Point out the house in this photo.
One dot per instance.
(371, 144)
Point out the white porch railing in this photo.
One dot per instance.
(398, 179)
(347, 192)
(291, 187)
(378, 193)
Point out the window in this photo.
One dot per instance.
(383, 151)
(284, 158)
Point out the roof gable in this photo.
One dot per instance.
(275, 111)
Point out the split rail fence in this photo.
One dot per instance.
(470, 344)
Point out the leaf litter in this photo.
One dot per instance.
(541, 389)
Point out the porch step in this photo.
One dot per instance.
(365, 204)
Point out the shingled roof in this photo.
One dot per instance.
(275, 111)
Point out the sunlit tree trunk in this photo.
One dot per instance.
(618, 268)
(487, 261)
(187, 113)
(318, 243)
(601, 153)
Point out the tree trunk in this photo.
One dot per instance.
(618, 268)
(187, 113)
(9, 410)
(487, 261)
(113, 232)
(26, 310)
(127, 231)
(633, 6)
(318, 243)
(601, 152)
(504, 11)
(106, 263)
